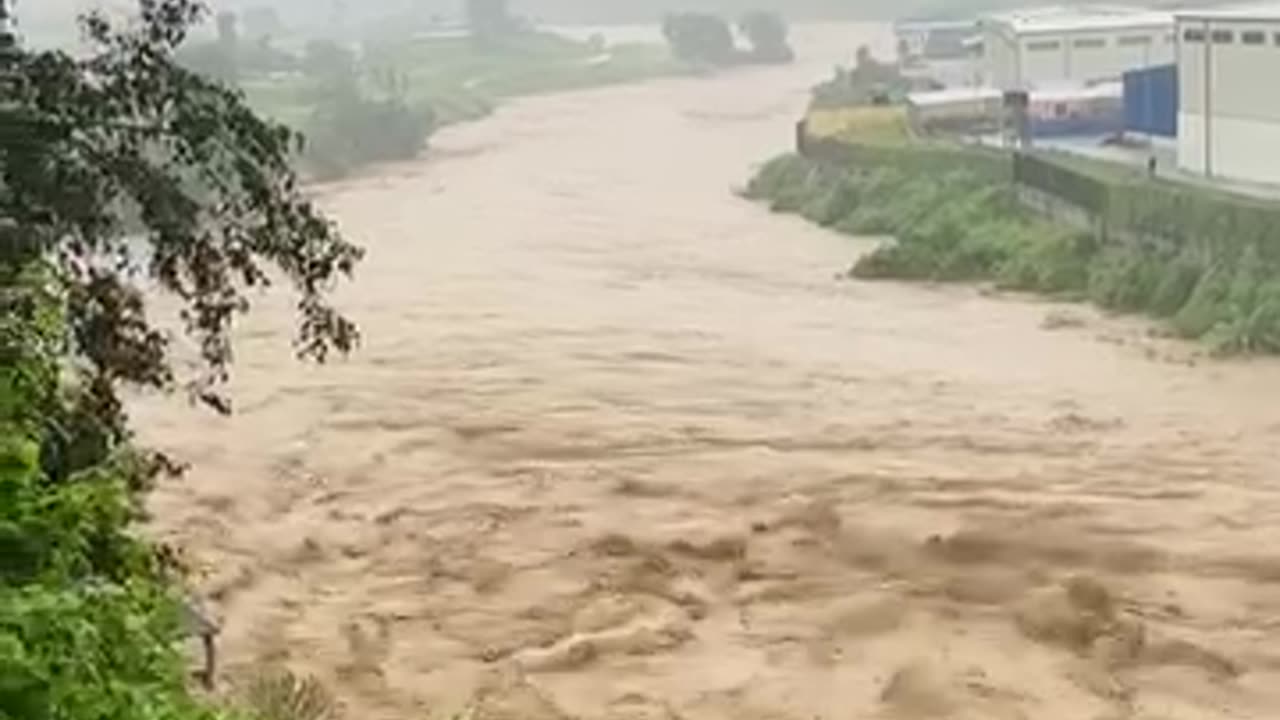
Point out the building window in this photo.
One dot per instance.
(1089, 43)
(1253, 37)
(1193, 36)
(1222, 37)
(1134, 41)
(1044, 45)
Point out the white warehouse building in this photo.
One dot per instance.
(1057, 46)
(1228, 102)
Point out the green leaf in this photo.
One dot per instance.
(19, 458)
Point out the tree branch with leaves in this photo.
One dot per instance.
(122, 173)
(132, 167)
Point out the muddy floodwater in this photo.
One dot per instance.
(621, 445)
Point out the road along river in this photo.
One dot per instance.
(619, 445)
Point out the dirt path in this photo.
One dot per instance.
(619, 446)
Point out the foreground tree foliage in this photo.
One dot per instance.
(121, 170)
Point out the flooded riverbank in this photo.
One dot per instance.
(619, 444)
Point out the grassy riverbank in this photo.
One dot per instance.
(949, 223)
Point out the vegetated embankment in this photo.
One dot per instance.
(1206, 262)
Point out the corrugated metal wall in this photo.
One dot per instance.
(1151, 101)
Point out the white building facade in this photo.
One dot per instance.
(1062, 46)
(1228, 97)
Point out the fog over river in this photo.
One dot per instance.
(619, 444)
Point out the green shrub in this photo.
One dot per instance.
(896, 259)
(700, 38)
(1204, 308)
(1049, 259)
(867, 219)
(1125, 279)
(982, 250)
(1178, 280)
(207, 211)
(89, 623)
(778, 175)
(349, 131)
(1250, 328)
(92, 650)
(833, 202)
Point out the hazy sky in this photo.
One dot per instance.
(45, 11)
(52, 19)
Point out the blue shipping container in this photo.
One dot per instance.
(1151, 101)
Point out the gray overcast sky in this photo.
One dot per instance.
(45, 21)
(44, 12)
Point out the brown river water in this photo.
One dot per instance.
(621, 445)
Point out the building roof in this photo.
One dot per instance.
(933, 98)
(1244, 11)
(1067, 93)
(1059, 93)
(1063, 18)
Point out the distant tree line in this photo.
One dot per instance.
(703, 38)
(231, 54)
(358, 116)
